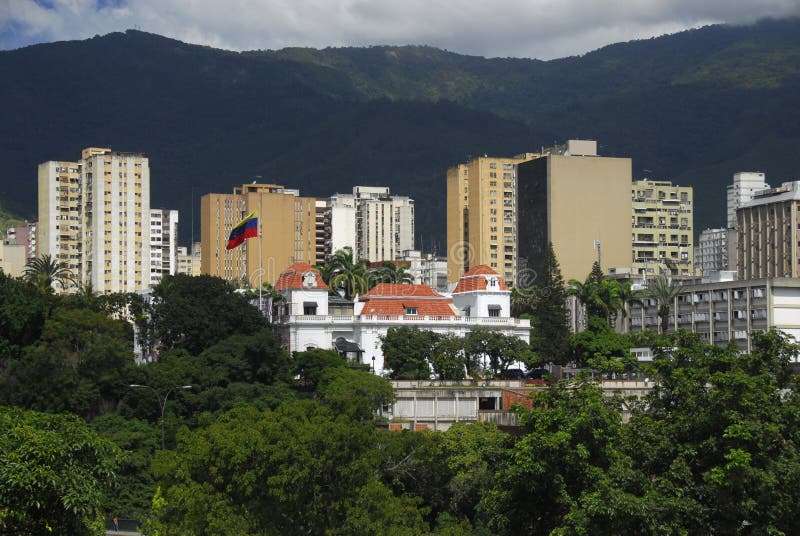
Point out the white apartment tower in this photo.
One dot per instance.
(94, 217)
(744, 188)
(376, 225)
(163, 244)
(711, 253)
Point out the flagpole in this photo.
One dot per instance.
(260, 266)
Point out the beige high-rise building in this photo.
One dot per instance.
(662, 228)
(94, 217)
(581, 203)
(482, 216)
(768, 233)
(60, 214)
(287, 224)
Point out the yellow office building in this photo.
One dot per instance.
(288, 233)
(581, 203)
(482, 215)
(662, 228)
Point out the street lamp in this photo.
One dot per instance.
(373, 364)
(161, 403)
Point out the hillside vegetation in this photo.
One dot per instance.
(693, 107)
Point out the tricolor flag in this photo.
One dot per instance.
(247, 228)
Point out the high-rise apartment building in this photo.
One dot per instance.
(662, 228)
(482, 216)
(744, 187)
(768, 231)
(163, 243)
(287, 228)
(711, 253)
(376, 225)
(578, 201)
(94, 217)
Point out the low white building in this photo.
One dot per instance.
(480, 299)
(727, 311)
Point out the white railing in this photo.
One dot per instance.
(469, 320)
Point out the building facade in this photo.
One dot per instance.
(482, 215)
(427, 269)
(727, 311)
(308, 320)
(376, 225)
(287, 229)
(23, 235)
(711, 253)
(579, 202)
(163, 244)
(768, 242)
(744, 187)
(94, 217)
(662, 228)
(188, 261)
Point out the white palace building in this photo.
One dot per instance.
(312, 318)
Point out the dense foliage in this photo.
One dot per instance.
(270, 443)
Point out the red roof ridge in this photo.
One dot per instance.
(292, 277)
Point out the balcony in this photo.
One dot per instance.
(407, 319)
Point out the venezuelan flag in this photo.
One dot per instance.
(247, 228)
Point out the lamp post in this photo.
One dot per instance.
(161, 403)
(373, 364)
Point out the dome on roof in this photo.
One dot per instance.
(300, 275)
(480, 278)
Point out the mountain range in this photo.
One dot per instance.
(692, 107)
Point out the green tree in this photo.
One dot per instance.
(134, 487)
(44, 272)
(309, 366)
(448, 358)
(355, 393)
(500, 350)
(664, 292)
(717, 439)
(54, 473)
(347, 274)
(79, 364)
(408, 352)
(21, 318)
(602, 348)
(557, 478)
(196, 312)
(549, 330)
(391, 272)
(293, 470)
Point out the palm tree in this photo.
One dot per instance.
(391, 272)
(664, 292)
(347, 274)
(44, 272)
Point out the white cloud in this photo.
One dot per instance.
(524, 28)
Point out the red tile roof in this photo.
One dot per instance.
(402, 290)
(481, 269)
(292, 277)
(399, 306)
(475, 280)
(396, 298)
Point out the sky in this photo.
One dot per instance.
(542, 29)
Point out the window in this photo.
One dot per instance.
(494, 310)
(411, 311)
(309, 308)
